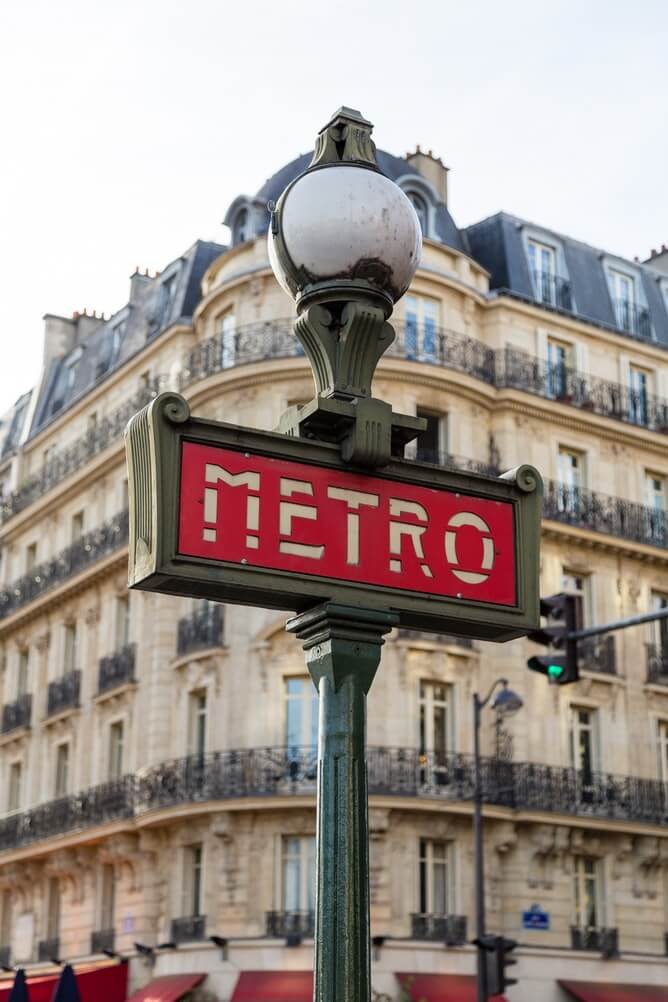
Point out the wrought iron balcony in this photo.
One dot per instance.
(280, 925)
(116, 669)
(448, 929)
(657, 664)
(600, 940)
(553, 290)
(17, 714)
(189, 929)
(604, 513)
(63, 693)
(201, 630)
(5, 956)
(86, 551)
(445, 348)
(633, 318)
(598, 654)
(48, 949)
(102, 939)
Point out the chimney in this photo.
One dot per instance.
(138, 283)
(659, 259)
(62, 334)
(433, 169)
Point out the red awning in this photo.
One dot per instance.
(600, 991)
(440, 987)
(108, 983)
(274, 986)
(169, 988)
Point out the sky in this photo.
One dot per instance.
(127, 128)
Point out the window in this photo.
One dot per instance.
(435, 726)
(434, 877)
(432, 442)
(623, 297)
(22, 673)
(571, 477)
(659, 629)
(192, 880)
(583, 741)
(53, 909)
(14, 786)
(542, 262)
(70, 652)
(227, 339)
(559, 361)
(197, 723)
(167, 295)
(301, 713)
(107, 897)
(420, 206)
(62, 770)
(6, 919)
(240, 227)
(116, 738)
(298, 869)
(117, 335)
(31, 557)
(662, 748)
(586, 893)
(122, 622)
(421, 318)
(77, 526)
(655, 503)
(580, 586)
(638, 395)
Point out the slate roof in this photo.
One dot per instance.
(12, 424)
(157, 303)
(497, 244)
(393, 167)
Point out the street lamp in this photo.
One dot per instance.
(506, 702)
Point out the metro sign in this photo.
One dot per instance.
(263, 519)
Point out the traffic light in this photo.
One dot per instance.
(560, 668)
(496, 955)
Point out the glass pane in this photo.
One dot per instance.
(291, 884)
(440, 729)
(294, 720)
(440, 890)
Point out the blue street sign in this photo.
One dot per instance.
(535, 918)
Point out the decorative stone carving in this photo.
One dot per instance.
(649, 858)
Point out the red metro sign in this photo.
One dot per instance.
(257, 518)
(260, 511)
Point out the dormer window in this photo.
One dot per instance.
(549, 286)
(240, 228)
(420, 206)
(629, 316)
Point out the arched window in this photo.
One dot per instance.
(240, 228)
(420, 206)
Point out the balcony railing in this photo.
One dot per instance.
(633, 318)
(398, 772)
(63, 693)
(445, 348)
(47, 949)
(116, 669)
(188, 929)
(553, 290)
(448, 929)
(605, 941)
(597, 654)
(657, 664)
(17, 714)
(5, 956)
(284, 924)
(102, 939)
(201, 630)
(91, 547)
(604, 513)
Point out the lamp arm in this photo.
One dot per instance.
(483, 702)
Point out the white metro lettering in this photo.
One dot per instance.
(212, 475)
(476, 522)
(354, 500)
(414, 532)
(289, 510)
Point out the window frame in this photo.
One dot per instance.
(306, 873)
(579, 899)
(307, 700)
(426, 888)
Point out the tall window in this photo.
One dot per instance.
(638, 395)
(107, 897)
(662, 749)
(542, 262)
(240, 227)
(559, 360)
(77, 527)
(301, 713)
(70, 652)
(116, 741)
(659, 629)
(298, 886)
(420, 206)
(421, 318)
(31, 557)
(197, 722)
(23, 673)
(435, 712)
(586, 893)
(122, 622)
(434, 876)
(571, 474)
(192, 880)
(62, 770)
(580, 586)
(655, 502)
(624, 297)
(14, 786)
(53, 909)
(584, 742)
(6, 919)
(432, 442)
(227, 339)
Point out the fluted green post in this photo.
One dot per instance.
(342, 646)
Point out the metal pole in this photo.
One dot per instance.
(342, 646)
(618, 624)
(479, 862)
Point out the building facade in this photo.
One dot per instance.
(157, 760)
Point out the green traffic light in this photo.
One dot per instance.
(555, 671)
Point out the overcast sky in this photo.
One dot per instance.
(128, 127)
